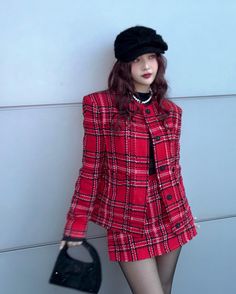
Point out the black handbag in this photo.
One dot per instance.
(73, 273)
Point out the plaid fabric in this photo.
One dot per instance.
(158, 237)
(112, 186)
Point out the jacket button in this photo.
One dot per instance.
(163, 167)
(158, 137)
(169, 197)
(147, 110)
(177, 225)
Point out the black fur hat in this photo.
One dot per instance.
(138, 40)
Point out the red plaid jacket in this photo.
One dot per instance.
(111, 188)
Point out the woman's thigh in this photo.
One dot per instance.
(166, 265)
(142, 276)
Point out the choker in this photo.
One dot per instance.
(143, 101)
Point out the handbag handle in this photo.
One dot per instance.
(92, 251)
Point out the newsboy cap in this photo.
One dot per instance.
(138, 40)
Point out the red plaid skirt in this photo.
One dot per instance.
(157, 240)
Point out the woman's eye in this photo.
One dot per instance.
(136, 60)
(152, 56)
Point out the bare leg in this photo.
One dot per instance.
(142, 276)
(166, 265)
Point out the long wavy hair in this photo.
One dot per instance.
(121, 84)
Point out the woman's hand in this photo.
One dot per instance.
(70, 243)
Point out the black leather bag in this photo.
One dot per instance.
(73, 273)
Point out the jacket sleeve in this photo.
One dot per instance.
(87, 182)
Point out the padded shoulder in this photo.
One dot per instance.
(99, 98)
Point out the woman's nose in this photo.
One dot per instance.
(146, 64)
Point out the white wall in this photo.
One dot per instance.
(52, 53)
(56, 51)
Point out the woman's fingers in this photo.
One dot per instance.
(73, 243)
(70, 243)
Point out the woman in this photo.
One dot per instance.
(130, 181)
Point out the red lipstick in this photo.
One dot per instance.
(146, 76)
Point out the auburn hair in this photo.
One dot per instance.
(120, 83)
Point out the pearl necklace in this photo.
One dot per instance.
(145, 101)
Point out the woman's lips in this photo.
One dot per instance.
(146, 76)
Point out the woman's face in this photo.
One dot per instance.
(143, 71)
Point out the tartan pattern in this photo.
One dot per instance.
(158, 237)
(112, 186)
